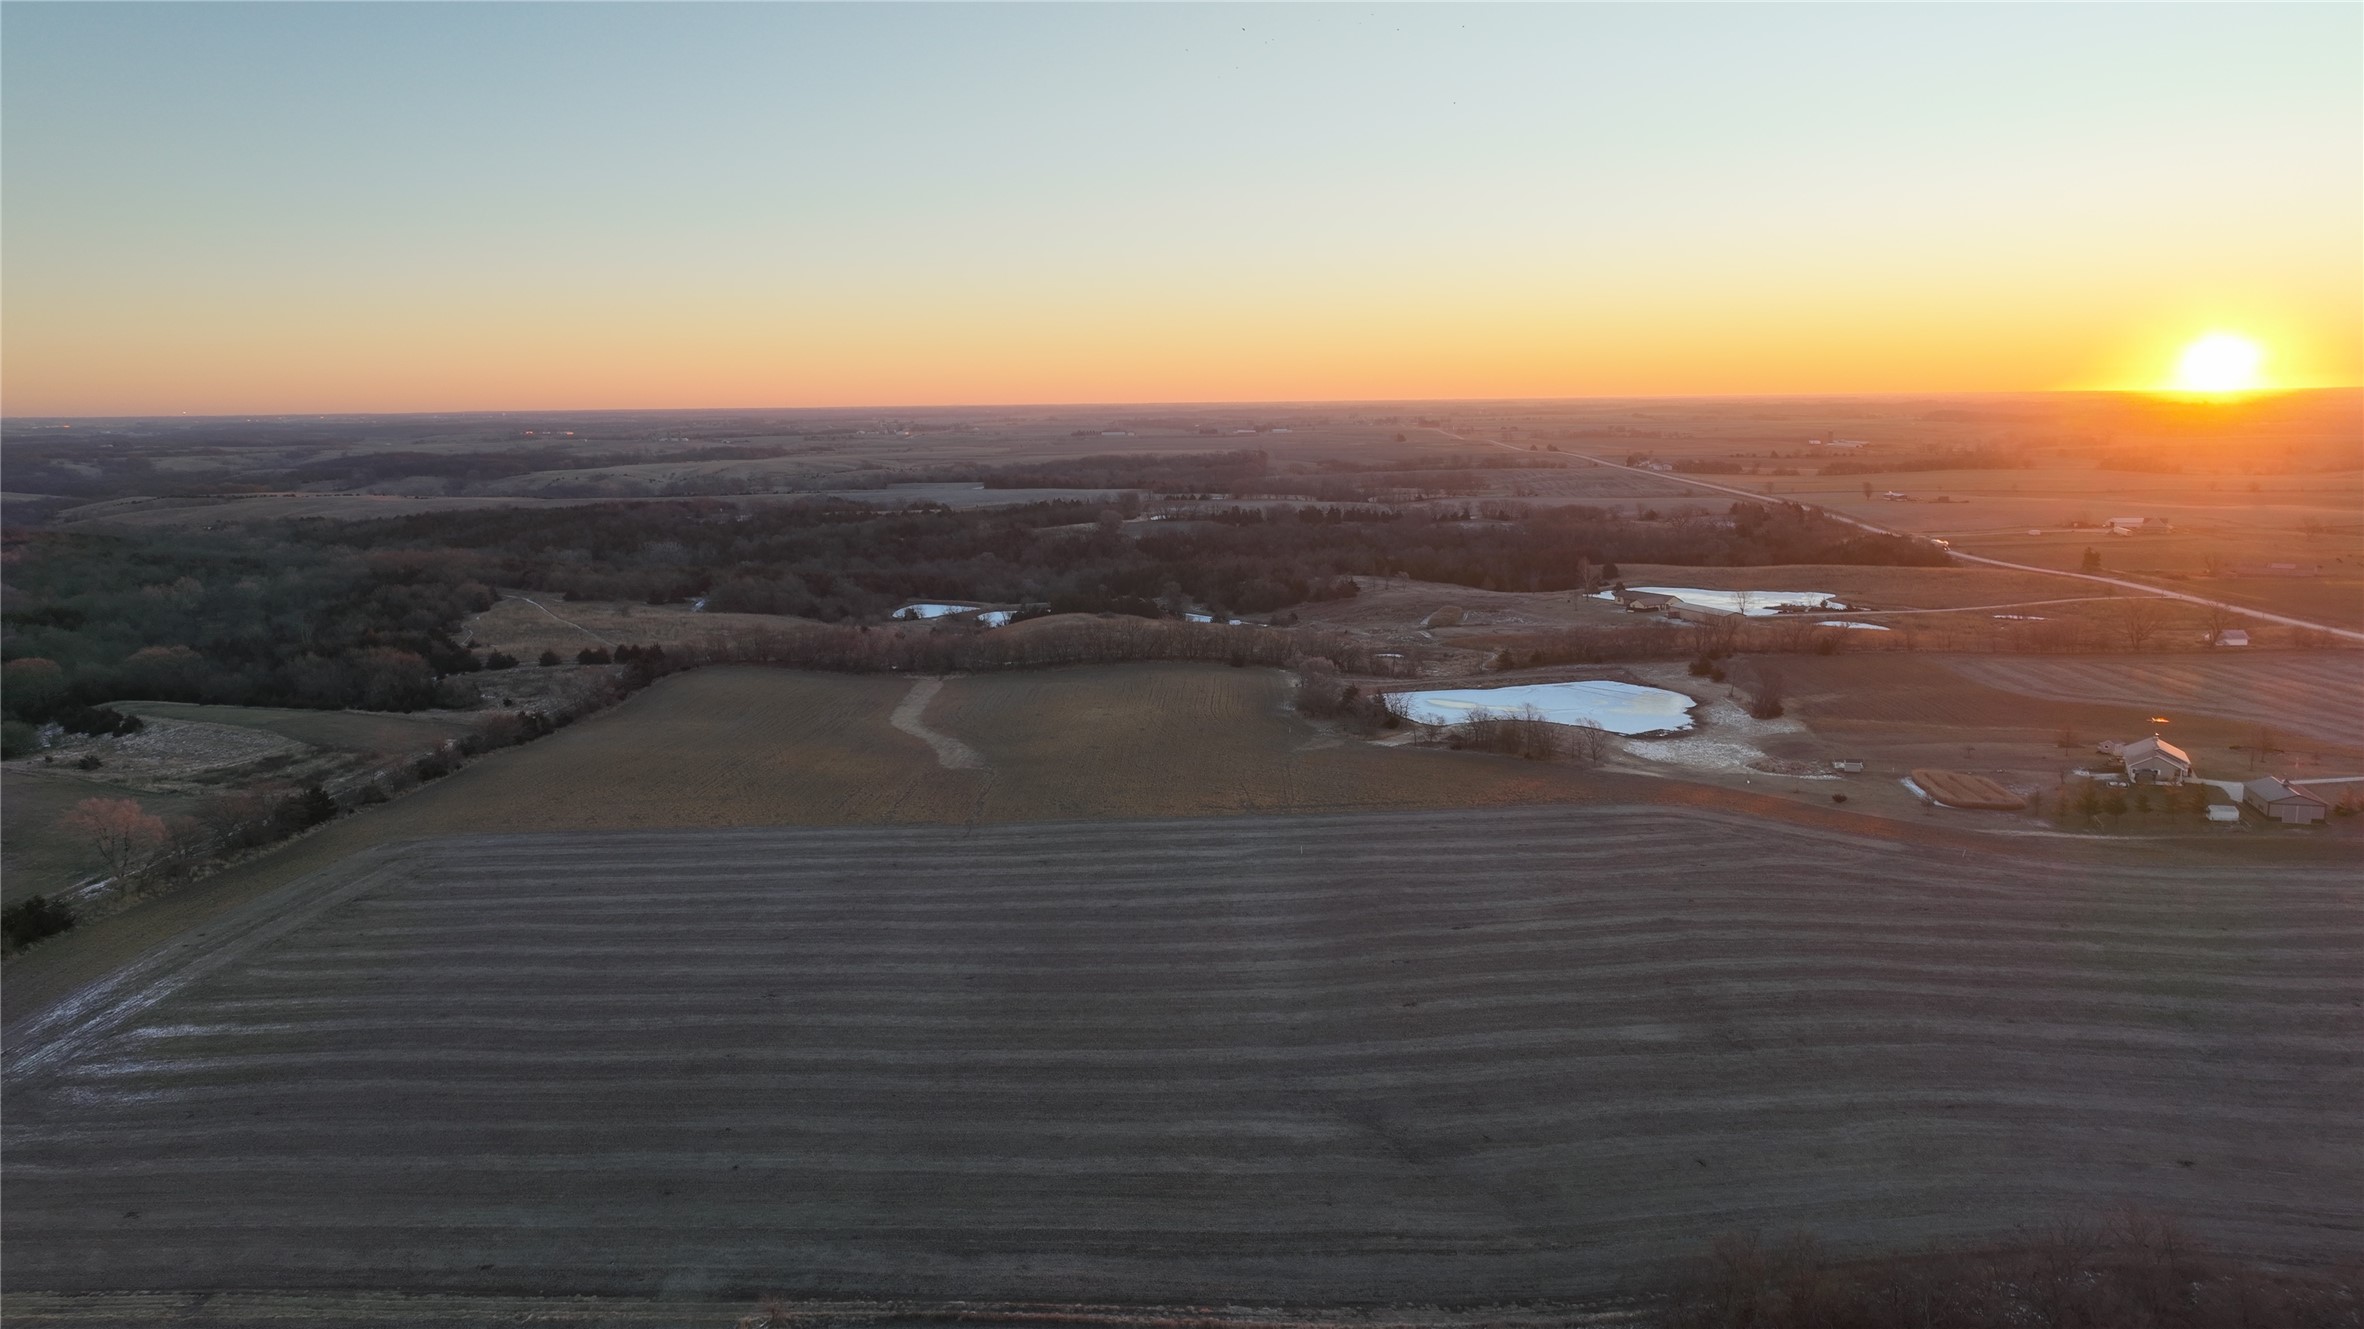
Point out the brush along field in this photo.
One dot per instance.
(525, 626)
(1449, 1056)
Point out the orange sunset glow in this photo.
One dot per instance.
(1392, 203)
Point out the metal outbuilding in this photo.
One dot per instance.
(2281, 801)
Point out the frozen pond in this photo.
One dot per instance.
(1620, 708)
(992, 618)
(1844, 623)
(1751, 604)
(1195, 617)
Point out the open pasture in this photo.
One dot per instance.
(1450, 1056)
(338, 731)
(36, 858)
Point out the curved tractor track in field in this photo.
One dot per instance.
(1446, 1056)
(910, 716)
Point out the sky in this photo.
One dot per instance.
(229, 208)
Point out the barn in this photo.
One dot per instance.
(2154, 760)
(1691, 613)
(2278, 800)
(1642, 602)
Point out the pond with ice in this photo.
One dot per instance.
(1749, 604)
(1620, 708)
(992, 618)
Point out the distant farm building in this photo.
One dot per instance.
(2281, 801)
(1847, 765)
(2154, 760)
(2232, 637)
(1642, 602)
(1684, 610)
(2280, 570)
(2136, 525)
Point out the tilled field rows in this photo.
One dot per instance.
(1462, 1055)
(2318, 696)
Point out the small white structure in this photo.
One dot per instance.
(2154, 760)
(2131, 525)
(1849, 765)
(2281, 801)
(2232, 637)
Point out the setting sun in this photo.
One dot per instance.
(2219, 362)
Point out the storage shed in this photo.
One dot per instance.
(2280, 801)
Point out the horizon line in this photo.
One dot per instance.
(2166, 394)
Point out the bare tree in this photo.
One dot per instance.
(2219, 619)
(2141, 618)
(1585, 743)
(125, 837)
(1766, 693)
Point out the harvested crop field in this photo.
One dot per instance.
(2319, 694)
(1958, 789)
(1475, 1055)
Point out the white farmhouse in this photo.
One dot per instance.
(2154, 760)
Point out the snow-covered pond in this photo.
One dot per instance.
(1195, 617)
(1846, 623)
(992, 618)
(1620, 708)
(1751, 604)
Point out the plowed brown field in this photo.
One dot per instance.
(2317, 694)
(1473, 1055)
